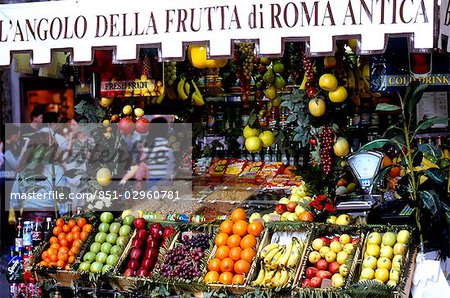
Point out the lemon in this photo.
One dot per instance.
(328, 82)
(267, 138)
(317, 107)
(341, 147)
(138, 112)
(250, 132)
(106, 122)
(103, 176)
(105, 101)
(253, 144)
(127, 110)
(338, 95)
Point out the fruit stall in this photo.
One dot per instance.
(302, 163)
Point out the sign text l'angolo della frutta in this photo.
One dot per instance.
(83, 24)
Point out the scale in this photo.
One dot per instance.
(364, 166)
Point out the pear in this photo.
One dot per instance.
(343, 220)
(269, 76)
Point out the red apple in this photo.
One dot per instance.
(142, 125)
(316, 282)
(311, 272)
(280, 208)
(148, 263)
(322, 264)
(323, 274)
(334, 267)
(335, 238)
(355, 241)
(139, 223)
(129, 272)
(291, 206)
(156, 231)
(326, 241)
(312, 92)
(126, 126)
(167, 232)
(136, 253)
(306, 283)
(141, 272)
(137, 243)
(152, 243)
(142, 234)
(151, 253)
(133, 264)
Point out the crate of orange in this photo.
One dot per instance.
(236, 246)
(63, 248)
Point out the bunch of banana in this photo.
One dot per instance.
(159, 93)
(184, 89)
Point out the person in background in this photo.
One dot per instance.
(13, 153)
(37, 117)
(50, 124)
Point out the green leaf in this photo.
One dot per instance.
(389, 133)
(430, 122)
(386, 107)
(429, 149)
(291, 118)
(381, 174)
(375, 144)
(447, 212)
(429, 199)
(417, 93)
(434, 174)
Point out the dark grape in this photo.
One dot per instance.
(326, 140)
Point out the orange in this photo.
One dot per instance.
(44, 254)
(60, 264)
(227, 227)
(238, 214)
(305, 216)
(227, 265)
(248, 254)
(71, 223)
(242, 267)
(61, 236)
(234, 241)
(238, 279)
(66, 228)
(73, 251)
(55, 246)
(76, 235)
(59, 222)
(395, 171)
(212, 277)
(226, 278)
(69, 237)
(83, 235)
(47, 260)
(248, 241)
(240, 228)
(386, 161)
(77, 243)
(81, 222)
(235, 253)
(57, 230)
(214, 265)
(67, 267)
(63, 256)
(71, 259)
(76, 229)
(53, 239)
(255, 228)
(64, 249)
(87, 228)
(53, 258)
(221, 239)
(222, 252)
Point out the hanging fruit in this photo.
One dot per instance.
(198, 58)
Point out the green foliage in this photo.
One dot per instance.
(297, 104)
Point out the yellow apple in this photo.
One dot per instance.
(370, 262)
(330, 256)
(384, 263)
(342, 257)
(349, 248)
(283, 200)
(374, 238)
(399, 248)
(343, 270)
(387, 252)
(382, 274)
(331, 219)
(389, 239)
(403, 236)
(367, 273)
(336, 246)
(323, 251)
(397, 262)
(345, 238)
(394, 275)
(317, 244)
(373, 250)
(337, 280)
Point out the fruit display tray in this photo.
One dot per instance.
(407, 260)
(324, 230)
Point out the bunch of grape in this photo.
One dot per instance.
(326, 137)
(170, 72)
(307, 65)
(247, 57)
(183, 261)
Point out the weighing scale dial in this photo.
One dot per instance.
(365, 166)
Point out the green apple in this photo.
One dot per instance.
(349, 248)
(128, 220)
(384, 263)
(343, 270)
(342, 257)
(96, 267)
(101, 257)
(107, 217)
(399, 248)
(394, 274)
(112, 238)
(345, 238)
(125, 230)
(317, 244)
(397, 262)
(100, 237)
(336, 246)
(107, 268)
(324, 250)
(343, 220)
(89, 257)
(122, 240)
(112, 260)
(84, 266)
(330, 256)
(367, 273)
(403, 236)
(106, 247)
(331, 219)
(116, 250)
(337, 280)
(114, 227)
(103, 227)
(373, 250)
(95, 247)
(389, 239)
(374, 238)
(387, 252)
(370, 262)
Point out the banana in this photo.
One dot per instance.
(303, 84)
(271, 254)
(295, 254)
(284, 260)
(351, 80)
(187, 87)
(446, 153)
(284, 278)
(267, 249)
(275, 262)
(268, 275)
(275, 279)
(197, 97)
(260, 277)
(162, 94)
(180, 89)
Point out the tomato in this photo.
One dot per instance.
(313, 141)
